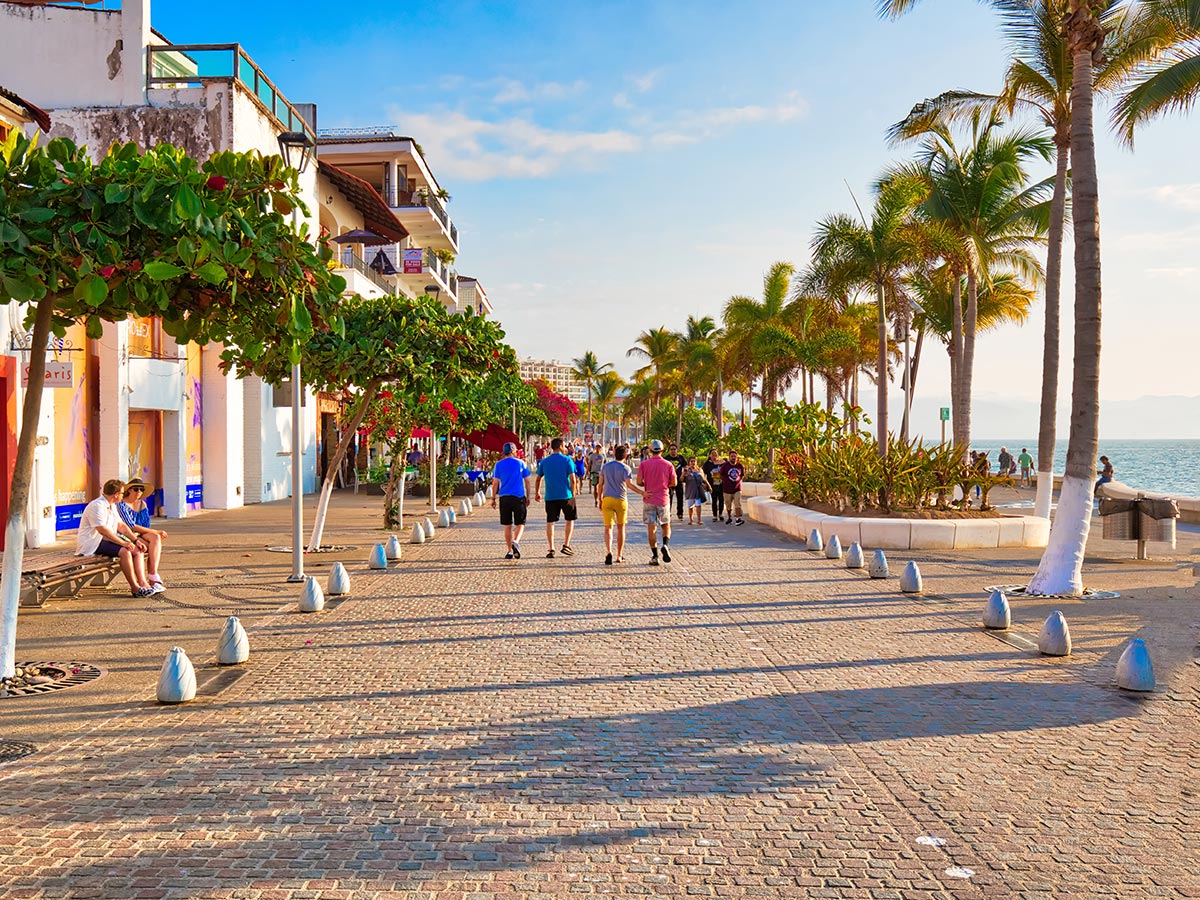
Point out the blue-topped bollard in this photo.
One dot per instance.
(338, 582)
(996, 614)
(833, 550)
(814, 542)
(378, 558)
(393, 549)
(418, 535)
(879, 566)
(1135, 672)
(312, 598)
(429, 532)
(233, 647)
(444, 518)
(910, 579)
(1055, 639)
(854, 556)
(176, 678)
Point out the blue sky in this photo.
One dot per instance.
(617, 166)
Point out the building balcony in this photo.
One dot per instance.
(361, 279)
(435, 277)
(425, 218)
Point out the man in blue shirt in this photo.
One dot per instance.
(558, 470)
(511, 477)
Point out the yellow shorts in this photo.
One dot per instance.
(615, 510)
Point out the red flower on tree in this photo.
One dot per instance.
(448, 408)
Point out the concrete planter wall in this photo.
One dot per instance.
(899, 534)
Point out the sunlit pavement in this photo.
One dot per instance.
(748, 720)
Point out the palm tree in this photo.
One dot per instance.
(876, 254)
(1061, 567)
(701, 360)
(639, 402)
(1170, 79)
(746, 318)
(608, 385)
(1038, 83)
(659, 347)
(587, 368)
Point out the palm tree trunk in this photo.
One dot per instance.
(916, 361)
(881, 382)
(812, 386)
(1047, 430)
(719, 407)
(1061, 567)
(967, 374)
(956, 363)
(679, 419)
(14, 530)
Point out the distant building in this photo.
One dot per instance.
(558, 376)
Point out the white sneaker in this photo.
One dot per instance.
(158, 587)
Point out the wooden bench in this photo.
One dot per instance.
(47, 576)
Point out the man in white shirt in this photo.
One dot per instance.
(102, 532)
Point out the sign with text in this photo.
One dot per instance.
(414, 261)
(58, 375)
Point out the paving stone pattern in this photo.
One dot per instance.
(749, 720)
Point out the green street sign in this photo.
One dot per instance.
(945, 414)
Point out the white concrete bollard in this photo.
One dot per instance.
(465, 508)
(910, 579)
(488, 493)
(453, 517)
(429, 532)
(233, 646)
(1135, 672)
(418, 535)
(833, 550)
(1055, 639)
(879, 566)
(378, 558)
(814, 542)
(997, 615)
(393, 548)
(444, 519)
(854, 556)
(338, 581)
(177, 678)
(313, 598)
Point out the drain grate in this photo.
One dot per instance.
(52, 676)
(11, 751)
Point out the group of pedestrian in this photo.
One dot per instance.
(117, 524)
(562, 470)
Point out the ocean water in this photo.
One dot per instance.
(1168, 467)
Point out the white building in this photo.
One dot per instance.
(559, 376)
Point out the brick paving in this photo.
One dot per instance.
(749, 720)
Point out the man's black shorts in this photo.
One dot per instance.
(512, 510)
(111, 548)
(566, 507)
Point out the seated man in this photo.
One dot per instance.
(135, 512)
(102, 532)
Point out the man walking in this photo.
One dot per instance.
(712, 471)
(679, 461)
(558, 470)
(595, 465)
(511, 490)
(658, 477)
(616, 479)
(732, 474)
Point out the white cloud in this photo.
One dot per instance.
(647, 81)
(509, 90)
(1181, 196)
(621, 101)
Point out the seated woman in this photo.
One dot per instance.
(136, 514)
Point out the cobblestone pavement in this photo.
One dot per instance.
(748, 720)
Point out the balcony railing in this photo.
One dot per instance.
(444, 273)
(351, 260)
(417, 199)
(193, 65)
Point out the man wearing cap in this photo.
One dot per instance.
(136, 514)
(511, 491)
(657, 476)
(102, 533)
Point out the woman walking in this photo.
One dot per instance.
(694, 485)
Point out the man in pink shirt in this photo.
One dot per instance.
(657, 476)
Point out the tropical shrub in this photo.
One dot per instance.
(699, 434)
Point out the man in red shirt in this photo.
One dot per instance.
(732, 474)
(657, 476)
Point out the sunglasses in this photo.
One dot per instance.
(140, 490)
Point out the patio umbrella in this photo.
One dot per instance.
(382, 264)
(358, 236)
(422, 433)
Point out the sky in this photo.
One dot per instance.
(618, 166)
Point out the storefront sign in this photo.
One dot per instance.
(58, 375)
(414, 261)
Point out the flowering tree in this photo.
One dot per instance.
(206, 248)
(561, 412)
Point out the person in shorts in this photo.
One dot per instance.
(596, 461)
(135, 513)
(1025, 461)
(616, 480)
(558, 471)
(511, 492)
(658, 477)
(732, 475)
(102, 532)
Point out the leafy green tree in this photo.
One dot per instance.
(587, 369)
(660, 348)
(698, 434)
(746, 318)
(206, 248)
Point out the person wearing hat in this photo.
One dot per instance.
(136, 514)
(658, 477)
(511, 492)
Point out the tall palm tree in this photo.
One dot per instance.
(608, 386)
(1061, 567)
(660, 348)
(700, 358)
(746, 318)
(1038, 83)
(876, 254)
(1170, 78)
(587, 368)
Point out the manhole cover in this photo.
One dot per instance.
(41, 677)
(1019, 590)
(14, 750)
(324, 548)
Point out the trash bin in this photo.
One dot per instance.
(1156, 520)
(1119, 519)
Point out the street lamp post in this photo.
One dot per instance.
(296, 148)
